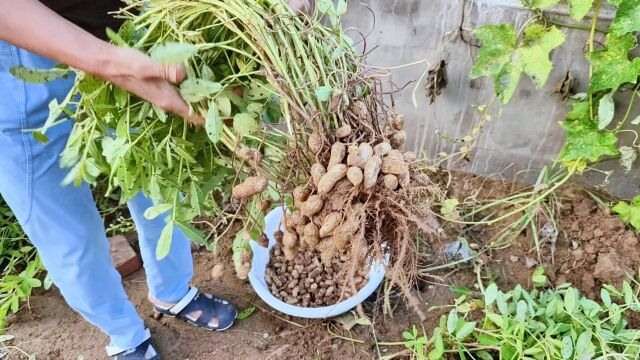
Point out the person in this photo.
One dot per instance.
(62, 221)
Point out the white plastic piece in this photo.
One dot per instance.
(259, 265)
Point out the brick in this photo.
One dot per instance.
(125, 259)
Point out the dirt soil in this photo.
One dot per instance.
(592, 247)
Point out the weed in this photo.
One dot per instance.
(556, 323)
(21, 267)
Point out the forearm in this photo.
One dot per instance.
(32, 26)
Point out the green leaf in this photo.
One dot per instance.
(505, 83)
(192, 233)
(115, 38)
(157, 210)
(567, 349)
(570, 300)
(521, 310)
(120, 95)
(611, 66)
(629, 213)
(113, 150)
(245, 124)
(327, 8)
(48, 282)
(605, 296)
(246, 313)
(615, 314)
(584, 141)
(162, 116)
(164, 243)
(34, 283)
(194, 195)
(498, 44)
(628, 156)
(195, 90)
(254, 108)
(465, 330)
(490, 294)
(539, 4)
(538, 42)
(501, 58)
(128, 32)
(452, 321)
(623, 209)
(583, 342)
(579, 8)
(213, 123)
(240, 246)
(323, 93)
(173, 52)
(502, 303)
(627, 18)
(628, 293)
(38, 75)
(606, 109)
(448, 208)
(258, 91)
(341, 7)
(438, 348)
(460, 290)
(224, 104)
(590, 307)
(539, 278)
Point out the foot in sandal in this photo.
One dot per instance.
(199, 309)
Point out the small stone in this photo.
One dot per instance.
(630, 241)
(609, 267)
(577, 254)
(590, 249)
(530, 262)
(514, 258)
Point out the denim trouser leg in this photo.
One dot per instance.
(63, 222)
(168, 279)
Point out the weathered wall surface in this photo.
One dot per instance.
(526, 137)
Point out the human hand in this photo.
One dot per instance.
(305, 6)
(139, 74)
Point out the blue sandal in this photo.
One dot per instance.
(144, 351)
(201, 310)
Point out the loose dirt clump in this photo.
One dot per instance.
(598, 247)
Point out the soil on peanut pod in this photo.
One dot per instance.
(592, 247)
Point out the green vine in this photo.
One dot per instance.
(590, 136)
(593, 131)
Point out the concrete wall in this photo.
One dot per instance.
(526, 137)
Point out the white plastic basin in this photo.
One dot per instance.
(259, 266)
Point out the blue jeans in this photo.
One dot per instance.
(63, 222)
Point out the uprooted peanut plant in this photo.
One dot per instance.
(291, 111)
